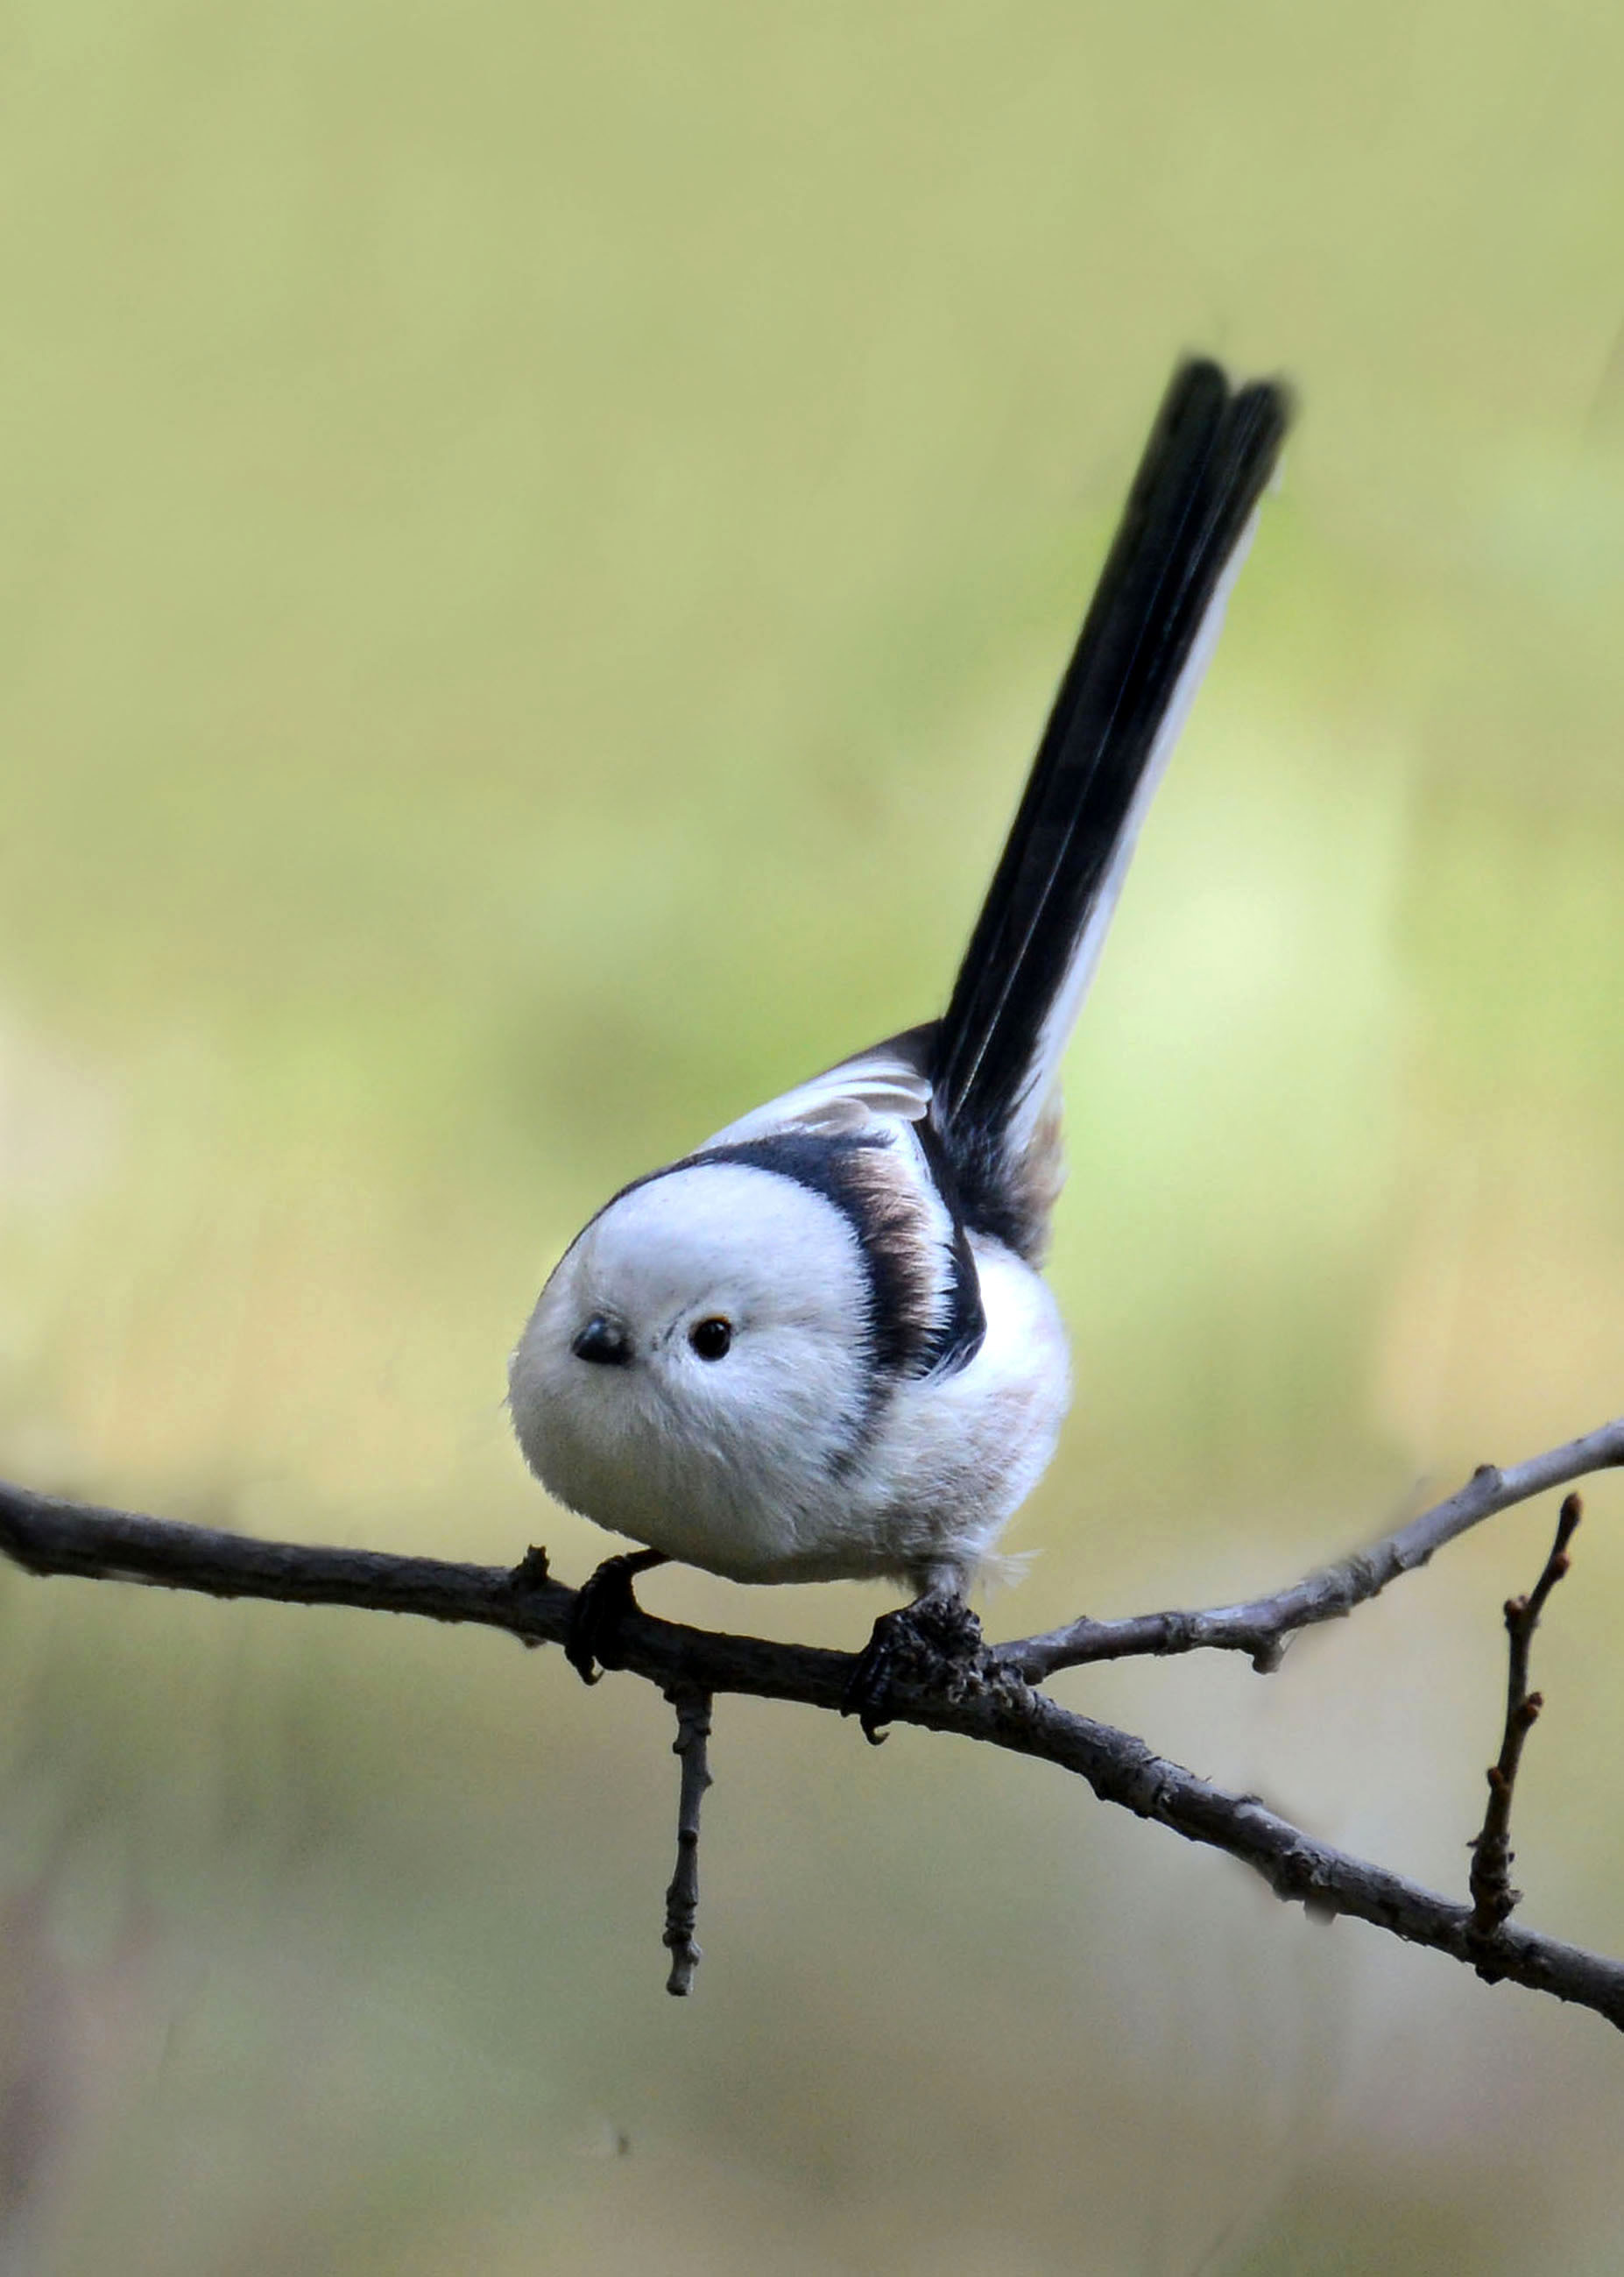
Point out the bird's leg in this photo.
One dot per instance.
(923, 1645)
(601, 1604)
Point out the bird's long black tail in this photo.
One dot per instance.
(1146, 641)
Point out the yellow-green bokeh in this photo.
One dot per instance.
(534, 545)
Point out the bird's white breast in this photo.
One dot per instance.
(791, 1458)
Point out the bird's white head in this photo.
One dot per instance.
(697, 1366)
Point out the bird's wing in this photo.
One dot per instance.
(885, 1085)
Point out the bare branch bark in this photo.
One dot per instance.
(1493, 1898)
(1263, 1627)
(995, 1701)
(693, 1745)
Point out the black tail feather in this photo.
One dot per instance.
(1210, 456)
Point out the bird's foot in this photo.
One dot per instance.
(921, 1646)
(601, 1604)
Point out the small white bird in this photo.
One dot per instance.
(819, 1348)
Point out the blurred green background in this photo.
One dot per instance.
(534, 546)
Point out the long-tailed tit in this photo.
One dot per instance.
(819, 1347)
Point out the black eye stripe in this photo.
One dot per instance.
(710, 1338)
(854, 1175)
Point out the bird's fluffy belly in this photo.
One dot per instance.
(949, 1458)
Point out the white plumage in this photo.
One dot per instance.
(783, 1461)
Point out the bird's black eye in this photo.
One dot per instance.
(711, 1338)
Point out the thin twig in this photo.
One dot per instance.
(1493, 1898)
(1263, 1627)
(692, 1744)
(999, 1706)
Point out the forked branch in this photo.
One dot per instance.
(996, 1701)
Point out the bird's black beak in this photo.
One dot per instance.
(603, 1341)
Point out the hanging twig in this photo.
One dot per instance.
(692, 1744)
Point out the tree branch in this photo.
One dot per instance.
(1263, 1627)
(692, 1744)
(1493, 1898)
(994, 1700)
